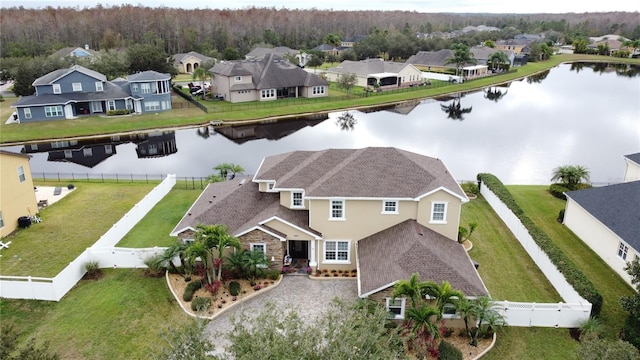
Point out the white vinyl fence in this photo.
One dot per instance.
(569, 314)
(103, 251)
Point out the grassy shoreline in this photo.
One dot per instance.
(13, 134)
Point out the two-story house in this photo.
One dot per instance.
(17, 194)
(268, 78)
(387, 213)
(77, 91)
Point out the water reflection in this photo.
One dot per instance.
(268, 129)
(623, 70)
(454, 110)
(495, 93)
(346, 121)
(93, 151)
(537, 78)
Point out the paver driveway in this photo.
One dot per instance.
(309, 297)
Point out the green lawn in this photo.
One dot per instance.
(120, 316)
(543, 209)
(68, 227)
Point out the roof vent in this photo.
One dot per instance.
(242, 181)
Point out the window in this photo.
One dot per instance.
(622, 251)
(108, 149)
(449, 311)
(34, 146)
(68, 154)
(134, 87)
(27, 113)
(129, 104)
(438, 212)
(99, 86)
(268, 93)
(59, 144)
(396, 307)
(96, 106)
(336, 251)
(51, 111)
(390, 206)
(21, 175)
(77, 86)
(56, 89)
(270, 186)
(317, 90)
(296, 199)
(151, 105)
(238, 78)
(111, 104)
(146, 88)
(1, 220)
(337, 210)
(262, 248)
(87, 152)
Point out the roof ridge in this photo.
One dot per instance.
(354, 155)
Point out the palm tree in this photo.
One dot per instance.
(209, 237)
(461, 56)
(498, 60)
(221, 239)
(176, 250)
(198, 249)
(571, 175)
(224, 170)
(254, 263)
(467, 311)
(487, 318)
(420, 320)
(444, 294)
(200, 74)
(235, 169)
(411, 288)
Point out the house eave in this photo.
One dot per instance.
(314, 236)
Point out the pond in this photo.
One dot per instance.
(573, 114)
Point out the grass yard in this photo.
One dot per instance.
(120, 316)
(543, 210)
(68, 227)
(154, 229)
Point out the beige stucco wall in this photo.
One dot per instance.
(285, 200)
(290, 232)
(632, 172)
(16, 198)
(598, 237)
(450, 229)
(406, 74)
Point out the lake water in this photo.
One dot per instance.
(570, 115)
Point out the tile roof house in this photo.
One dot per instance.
(186, 63)
(388, 74)
(268, 78)
(77, 91)
(384, 211)
(607, 219)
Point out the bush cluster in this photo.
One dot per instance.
(119, 112)
(558, 190)
(200, 304)
(574, 276)
(449, 352)
(191, 288)
(470, 187)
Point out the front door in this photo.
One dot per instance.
(299, 249)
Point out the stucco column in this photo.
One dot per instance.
(312, 250)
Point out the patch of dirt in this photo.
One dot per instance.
(222, 299)
(96, 275)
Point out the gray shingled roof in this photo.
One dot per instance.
(407, 248)
(369, 66)
(148, 75)
(370, 172)
(431, 58)
(181, 56)
(634, 157)
(238, 204)
(484, 52)
(260, 52)
(51, 77)
(111, 91)
(269, 72)
(616, 206)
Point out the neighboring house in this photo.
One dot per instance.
(77, 52)
(348, 42)
(433, 60)
(17, 195)
(607, 219)
(610, 44)
(77, 91)
(387, 74)
(265, 79)
(189, 62)
(386, 212)
(632, 170)
(518, 46)
(483, 53)
(327, 49)
(260, 52)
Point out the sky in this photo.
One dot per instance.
(430, 6)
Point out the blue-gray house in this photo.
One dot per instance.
(77, 91)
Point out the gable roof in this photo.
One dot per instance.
(238, 204)
(110, 91)
(369, 66)
(616, 206)
(634, 157)
(367, 173)
(407, 248)
(55, 75)
(269, 72)
(260, 52)
(484, 52)
(432, 58)
(148, 75)
(178, 58)
(324, 47)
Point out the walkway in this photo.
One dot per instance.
(309, 297)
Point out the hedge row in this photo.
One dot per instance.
(574, 276)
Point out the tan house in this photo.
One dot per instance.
(268, 78)
(384, 212)
(17, 195)
(386, 74)
(187, 63)
(607, 218)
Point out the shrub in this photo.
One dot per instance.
(155, 265)
(93, 269)
(470, 187)
(558, 191)
(572, 274)
(119, 112)
(191, 289)
(560, 216)
(234, 288)
(449, 352)
(273, 275)
(200, 304)
(214, 287)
